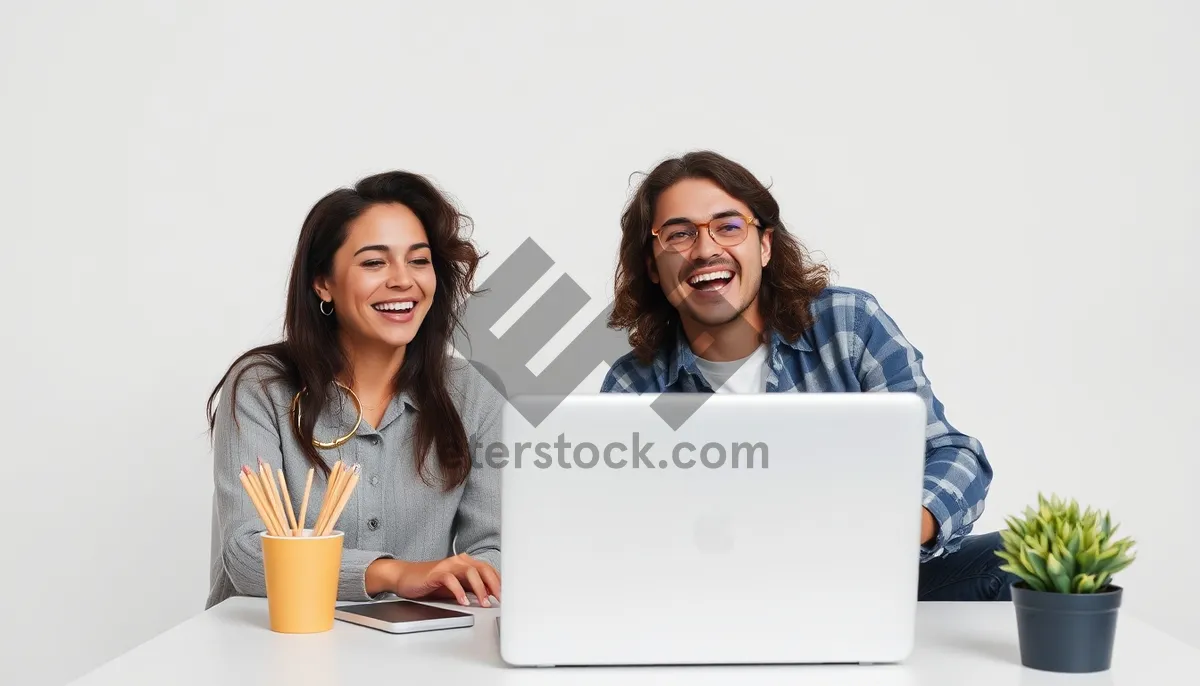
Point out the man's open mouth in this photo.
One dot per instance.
(710, 281)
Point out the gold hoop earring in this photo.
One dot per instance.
(337, 441)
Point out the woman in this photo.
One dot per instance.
(378, 280)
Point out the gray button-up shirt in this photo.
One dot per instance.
(392, 512)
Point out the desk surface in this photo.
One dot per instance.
(972, 642)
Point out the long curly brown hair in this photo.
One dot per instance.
(790, 282)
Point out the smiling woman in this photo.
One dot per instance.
(364, 375)
(385, 281)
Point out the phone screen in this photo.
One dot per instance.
(399, 611)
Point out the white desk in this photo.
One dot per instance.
(956, 643)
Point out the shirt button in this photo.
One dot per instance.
(374, 481)
(375, 440)
(373, 523)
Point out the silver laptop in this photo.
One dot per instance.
(772, 528)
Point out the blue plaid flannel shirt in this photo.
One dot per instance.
(853, 346)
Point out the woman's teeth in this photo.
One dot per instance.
(394, 307)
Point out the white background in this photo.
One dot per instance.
(1018, 183)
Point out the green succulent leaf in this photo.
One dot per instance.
(1015, 525)
(1011, 558)
(1053, 564)
(1012, 541)
(1070, 567)
(1030, 515)
(1108, 554)
(1075, 540)
(1037, 563)
(1023, 560)
(1034, 582)
(1085, 583)
(1059, 546)
(1062, 582)
(1121, 564)
(1087, 559)
(1124, 545)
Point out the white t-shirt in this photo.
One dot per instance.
(747, 375)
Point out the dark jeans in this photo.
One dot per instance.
(970, 573)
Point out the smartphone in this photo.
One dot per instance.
(404, 616)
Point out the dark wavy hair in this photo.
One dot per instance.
(790, 282)
(310, 356)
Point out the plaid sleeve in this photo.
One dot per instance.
(957, 471)
(612, 382)
(626, 376)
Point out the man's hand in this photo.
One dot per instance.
(928, 527)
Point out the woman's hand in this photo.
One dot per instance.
(448, 578)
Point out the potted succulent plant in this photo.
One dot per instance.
(1066, 602)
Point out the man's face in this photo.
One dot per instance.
(707, 282)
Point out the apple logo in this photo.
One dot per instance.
(713, 533)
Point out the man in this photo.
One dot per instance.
(718, 296)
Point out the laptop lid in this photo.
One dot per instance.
(768, 528)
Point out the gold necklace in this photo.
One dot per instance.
(337, 441)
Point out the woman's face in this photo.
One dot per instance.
(382, 281)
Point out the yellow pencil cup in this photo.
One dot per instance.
(302, 580)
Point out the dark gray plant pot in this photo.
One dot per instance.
(1063, 632)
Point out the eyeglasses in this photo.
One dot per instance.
(725, 231)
